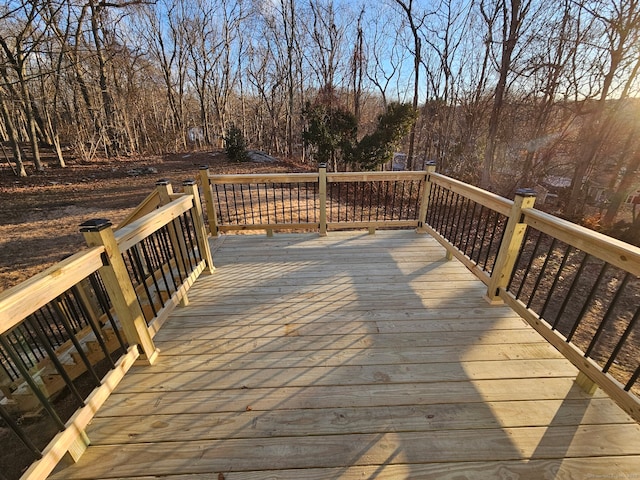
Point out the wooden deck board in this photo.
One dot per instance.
(352, 356)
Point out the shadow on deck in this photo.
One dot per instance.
(352, 356)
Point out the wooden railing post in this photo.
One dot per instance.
(208, 200)
(191, 188)
(322, 193)
(98, 232)
(511, 244)
(426, 193)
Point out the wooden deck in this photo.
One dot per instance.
(352, 356)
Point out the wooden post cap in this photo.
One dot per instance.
(95, 225)
(188, 183)
(526, 192)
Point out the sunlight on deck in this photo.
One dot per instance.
(352, 356)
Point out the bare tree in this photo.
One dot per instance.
(510, 16)
(416, 21)
(619, 21)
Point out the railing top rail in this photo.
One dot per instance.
(133, 233)
(611, 250)
(374, 176)
(263, 178)
(490, 200)
(45, 286)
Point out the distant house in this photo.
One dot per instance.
(195, 135)
(634, 198)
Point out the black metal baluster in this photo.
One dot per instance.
(471, 229)
(219, 205)
(499, 244)
(26, 376)
(633, 379)
(56, 362)
(458, 223)
(402, 188)
(253, 219)
(556, 279)
(542, 271)
(589, 299)
(103, 301)
(393, 200)
(19, 341)
(77, 345)
(275, 202)
(492, 237)
(608, 314)
(188, 244)
(442, 211)
(623, 338)
(532, 258)
(259, 203)
(150, 267)
(284, 215)
(167, 250)
(36, 351)
(226, 202)
(19, 433)
(54, 319)
(574, 285)
(379, 192)
(453, 214)
(266, 202)
(84, 310)
(480, 245)
(45, 326)
(8, 366)
(339, 199)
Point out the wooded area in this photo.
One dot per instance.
(509, 93)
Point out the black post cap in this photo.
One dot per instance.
(526, 192)
(95, 225)
(161, 182)
(322, 165)
(204, 167)
(188, 183)
(430, 163)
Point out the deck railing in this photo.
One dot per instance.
(313, 201)
(69, 334)
(101, 308)
(579, 289)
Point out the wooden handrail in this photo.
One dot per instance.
(482, 197)
(19, 302)
(149, 204)
(374, 176)
(611, 250)
(152, 222)
(264, 178)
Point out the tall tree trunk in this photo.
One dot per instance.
(13, 137)
(111, 141)
(512, 21)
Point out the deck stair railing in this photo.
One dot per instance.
(578, 288)
(69, 334)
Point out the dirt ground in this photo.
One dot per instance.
(40, 214)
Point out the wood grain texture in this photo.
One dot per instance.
(352, 356)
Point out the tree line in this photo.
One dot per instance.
(508, 93)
